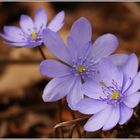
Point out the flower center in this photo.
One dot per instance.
(81, 68)
(34, 35)
(115, 95)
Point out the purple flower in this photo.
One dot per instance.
(113, 97)
(78, 61)
(30, 33)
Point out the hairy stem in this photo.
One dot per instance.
(60, 105)
(41, 52)
(71, 131)
(77, 127)
(59, 102)
(84, 133)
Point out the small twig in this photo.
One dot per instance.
(41, 52)
(68, 123)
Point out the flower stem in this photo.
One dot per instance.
(60, 101)
(71, 131)
(41, 52)
(60, 110)
(77, 127)
(84, 134)
(60, 105)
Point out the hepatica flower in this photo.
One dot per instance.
(113, 98)
(30, 32)
(78, 61)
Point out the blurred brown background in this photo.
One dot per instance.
(22, 111)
